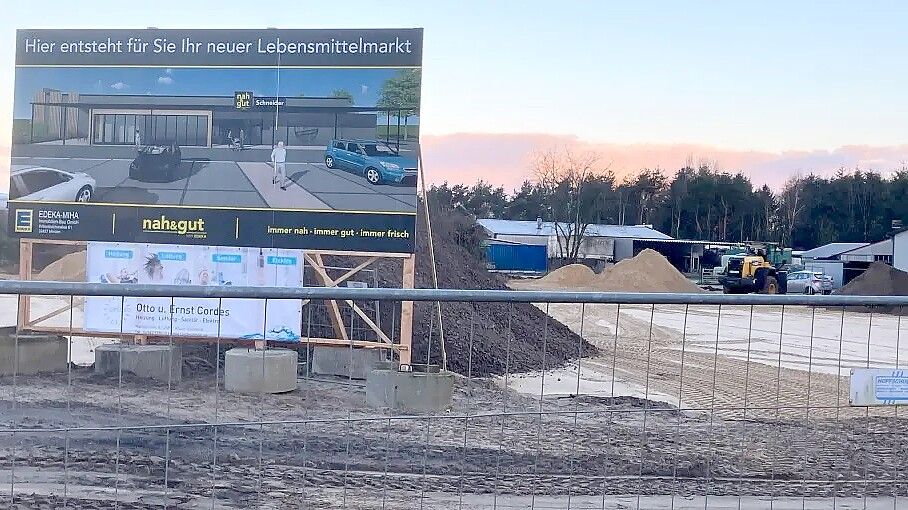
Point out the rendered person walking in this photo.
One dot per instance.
(278, 162)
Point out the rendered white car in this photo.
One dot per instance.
(42, 183)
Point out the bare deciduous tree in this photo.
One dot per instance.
(791, 204)
(564, 175)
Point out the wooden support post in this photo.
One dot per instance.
(334, 313)
(52, 314)
(355, 270)
(369, 322)
(25, 274)
(406, 312)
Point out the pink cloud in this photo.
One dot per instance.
(505, 159)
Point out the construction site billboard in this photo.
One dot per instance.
(290, 139)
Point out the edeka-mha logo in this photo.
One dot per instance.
(24, 221)
(164, 225)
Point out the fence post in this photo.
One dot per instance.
(25, 274)
(406, 312)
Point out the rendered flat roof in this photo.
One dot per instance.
(529, 228)
(333, 104)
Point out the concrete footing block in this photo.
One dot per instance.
(346, 362)
(159, 362)
(32, 353)
(256, 371)
(410, 391)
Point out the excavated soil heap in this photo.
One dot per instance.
(515, 337)
(648, 271)
(878, 280)
(69, 268)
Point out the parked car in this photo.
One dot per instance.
(156, 163)
(43, 183)
(376, 161)
(809, 282)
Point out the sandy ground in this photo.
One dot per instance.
(792, 363)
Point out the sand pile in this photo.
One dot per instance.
(571, 275)
(649, 271)
(69, 268)
(878, 280)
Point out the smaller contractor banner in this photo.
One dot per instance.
(131, 263)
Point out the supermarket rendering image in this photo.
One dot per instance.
(217, 148)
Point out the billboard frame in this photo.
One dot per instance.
(389, 48)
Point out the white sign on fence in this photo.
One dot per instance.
(878, 387)
(194, 265)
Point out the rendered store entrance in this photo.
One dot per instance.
(151, 128)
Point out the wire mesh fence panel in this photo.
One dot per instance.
(559, 400)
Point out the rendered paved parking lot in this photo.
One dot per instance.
(206, 182)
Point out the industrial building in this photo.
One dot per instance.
(873, 252)
(900, 250)
(846, 261)
(600, 243)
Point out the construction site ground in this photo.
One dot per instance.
(323, 447)
(680, 406)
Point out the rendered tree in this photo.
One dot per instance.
(343, 94)
(401, 93)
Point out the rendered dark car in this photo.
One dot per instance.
(374, 160)
(156, 163)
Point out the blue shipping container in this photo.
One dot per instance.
(517, 257)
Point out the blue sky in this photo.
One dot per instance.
(766, 77)
(363, 84)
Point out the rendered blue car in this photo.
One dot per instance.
(375, 161)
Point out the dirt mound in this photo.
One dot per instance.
(569, 275)
(878, 280)
(504, 337)
(648, 271)
(70, 268)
